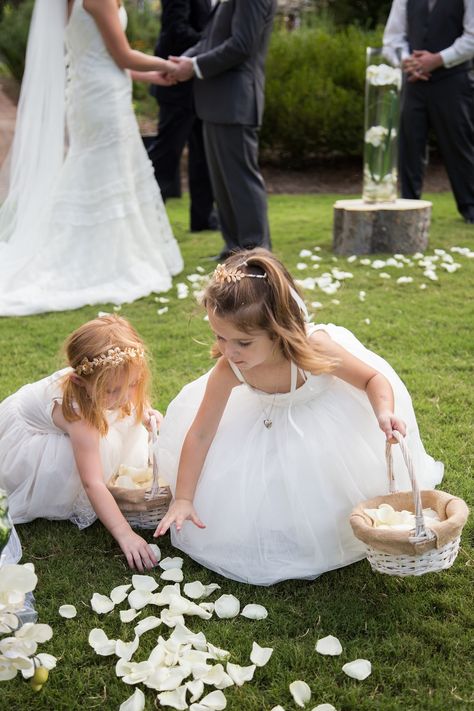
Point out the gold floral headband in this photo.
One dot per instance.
(114, 357)
(223, 275)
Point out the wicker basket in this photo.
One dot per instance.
(424, 550)
(143, 508)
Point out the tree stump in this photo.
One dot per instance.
(399, 227)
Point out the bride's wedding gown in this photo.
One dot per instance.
(103, 236)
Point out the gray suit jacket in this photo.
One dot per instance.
(231, 58)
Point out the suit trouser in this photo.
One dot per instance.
(239, 190)
(446, 106)
(177, 126)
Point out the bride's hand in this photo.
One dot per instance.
(162, 79)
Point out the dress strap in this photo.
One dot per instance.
(236, 372)
(293, 376)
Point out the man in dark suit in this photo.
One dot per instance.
(228, 65)
(435, 40)
(182, 22)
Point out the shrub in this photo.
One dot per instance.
(315, 94)
(14, 34)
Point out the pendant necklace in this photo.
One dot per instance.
(267, 411)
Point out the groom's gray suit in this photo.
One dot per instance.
(229, 99)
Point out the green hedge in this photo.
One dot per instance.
(315, 93)
(314, 83)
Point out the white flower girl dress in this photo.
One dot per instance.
(276, 499)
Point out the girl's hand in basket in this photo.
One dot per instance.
(180, 511)
(389, 422)
(138, 553)
(149, 413)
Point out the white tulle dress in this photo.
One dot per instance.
(103, 236)
(37, 465)
(276, 502)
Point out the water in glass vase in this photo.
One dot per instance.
(382, 112)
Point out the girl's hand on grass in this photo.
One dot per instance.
(389, 422)
(138, 553)
(179, 511)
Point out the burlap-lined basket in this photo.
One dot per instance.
(143, 508)
(425, 550)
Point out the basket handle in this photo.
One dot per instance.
(154, 440)
(421, 532)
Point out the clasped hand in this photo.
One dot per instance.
(180, 511)
(179, 68)
(419, 65)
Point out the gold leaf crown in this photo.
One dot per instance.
(233, 275)
(114, 357)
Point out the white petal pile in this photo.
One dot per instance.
(385, 517)
(359, 669)
(329, 645)
(300, 692)
(67, 611)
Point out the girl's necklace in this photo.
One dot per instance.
(267, 412)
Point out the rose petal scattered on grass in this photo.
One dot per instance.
(324, 707)
(156, 551)
(67, 611)
(329, 645)
(255, 612)
(34, 632)
(146, 624)
(119, 593)
(46, 660)
(135, 702)
(139, 598)
(215, 701)
(240, 675)
(197, 590)
(167, 563)
(359, 669)
(144, 582)
(101, 604)
(100, 643)
(176, 699)
(173, 574)
(260, 655)
(129, 615)
(300, 692)
(227, 606)
(196, 689)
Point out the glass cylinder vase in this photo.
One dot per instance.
(382, 113)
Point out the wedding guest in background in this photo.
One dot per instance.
(228, 65)
(182, 22)
(436, 42)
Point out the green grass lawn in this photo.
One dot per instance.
(417, 632)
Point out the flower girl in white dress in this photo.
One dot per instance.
(269, 451)
(86, 226)
(62, 437)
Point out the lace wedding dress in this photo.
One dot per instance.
(103, 234)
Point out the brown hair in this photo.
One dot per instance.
(93, 339)
(265, 304)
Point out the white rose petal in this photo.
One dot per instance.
(100, 643)
(101, 603)
(197, 590)
(148, 623)
(162, 311)
(144, 582)
(300, 692)
(214, 676)
(167, 563)
(171, 620)
(19, 578)
(126, 650)
(128, 615)
(176, 699)
(133, 672)
(358, 669)
(34, 632)
(156, 550)
(195, 688)
(136, 702)
(139, 598)
(324, 707)
(119, 593)
(217, 653)
(215, 701)
(260, 655)
(173, 574)
(46, 660)
(254, 612)
(329, 645)
(240, 675)
(227, 606)
(67, 611)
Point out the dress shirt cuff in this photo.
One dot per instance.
(449, 57)
(197, 71)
